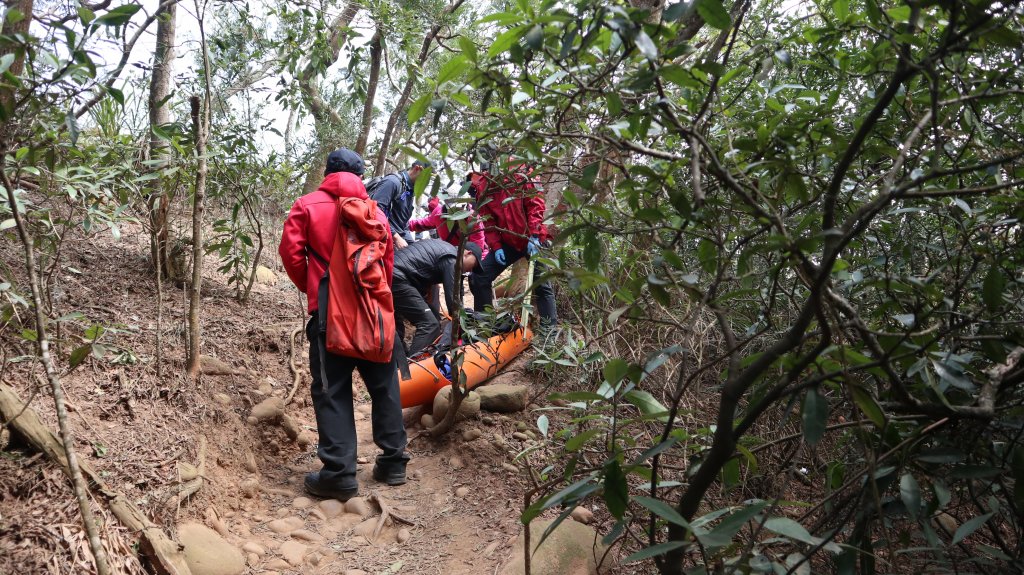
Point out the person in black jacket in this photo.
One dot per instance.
(394, 195)
(418, 267)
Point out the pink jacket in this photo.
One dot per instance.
(449, 231)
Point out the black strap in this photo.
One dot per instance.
(401, 361)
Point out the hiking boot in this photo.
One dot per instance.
(315, 486)
(392, 476)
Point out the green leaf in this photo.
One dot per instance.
(616, 490)
(79, 355)
(674, 12)
(646, 46)
(815, 416)
(86, 15)
(910, 493)
(789, 528)
(468, 48)
(419, 107)
(653, 551)
(505, 41)
(723, 533)
(714, 13)
(5, 62)
(841, 8)
(615, 370)
(970, 526)
(119, 16)
(577, 441)
(868, 406)
(663, 510)
(452, 69)
(992, 289)
(646, 403)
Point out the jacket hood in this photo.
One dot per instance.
(361, 218)
(344, 185)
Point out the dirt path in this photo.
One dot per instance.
(466, 533)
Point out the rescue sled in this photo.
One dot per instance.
(483, 361)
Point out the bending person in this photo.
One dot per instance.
(418, 267)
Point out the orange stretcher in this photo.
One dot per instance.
(483, 361)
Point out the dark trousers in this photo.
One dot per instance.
(335, 420)
(411, 305)
(480, 283)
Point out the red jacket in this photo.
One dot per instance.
(512, 210)
(449, 234)
(312, 224)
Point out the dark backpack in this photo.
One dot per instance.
(372, 184)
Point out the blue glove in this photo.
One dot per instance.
(499, 255)
(533, 247)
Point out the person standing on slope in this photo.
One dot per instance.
(448, 230)
(394, 194)
(306, 243)
(512, 211)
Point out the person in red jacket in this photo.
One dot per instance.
(512, 211)
(447, 230)
(306, 245)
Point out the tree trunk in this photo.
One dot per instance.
(77, 482)
(194, 329)
(403, 100)
(7, 95)
(160, 114)
(376, 47)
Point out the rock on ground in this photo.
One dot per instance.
(269, 409)
(207, 553)
(293, 552)
(469, 408)
(572, 549)
(502, 397)
(265, 275)
(583, 515)
(209, 365)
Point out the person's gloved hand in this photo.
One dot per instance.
(499, 255)
(533, 247)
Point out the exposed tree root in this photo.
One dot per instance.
(296, 374)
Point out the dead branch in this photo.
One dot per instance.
(296, 374)
(163, 551)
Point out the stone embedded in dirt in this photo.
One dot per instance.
(364, 408)
(209, 365)
(417, 474)
(207, 553)
(509, 467)
(354, 572)
(345, 522)
(290, 426)
(249, 461)
(571, 549)
(520, 436)
(306, 535)
(468, 409)
(293, 552)
(286, 525)
(278, 564)
(427, 421)
(491, 548)
(488, 420)
(269, 409)
(500, 441)
(302, 502)
(265, 275)
(462, 492)
(471, 434)
(456, 462)
(253, 547)
(583, 515)
(222, 398)
(332, 508)
(531, 435)
(264, 388)
(366, 528)
(304, 440)
(502, 397)
(521, 426)
(403, 535)
(358, 506)
(187, 471)
(362, 460)
(252, 559)
(314, 559)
